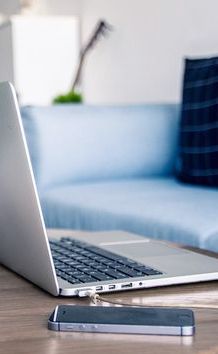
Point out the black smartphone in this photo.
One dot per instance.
(136, 320)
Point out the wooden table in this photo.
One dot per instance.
(24, 310)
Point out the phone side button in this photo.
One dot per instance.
(73, 327)
(94, 327)
(82, 327)
(70, 327)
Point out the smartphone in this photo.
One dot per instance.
(136, 320)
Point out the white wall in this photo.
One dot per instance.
(60, 7)
(141, 61)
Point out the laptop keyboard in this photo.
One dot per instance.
(79, 262)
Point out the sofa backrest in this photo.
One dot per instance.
(74, 143)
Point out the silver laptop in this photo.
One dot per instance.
(101, 262)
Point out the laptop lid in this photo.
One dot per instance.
(24, 246)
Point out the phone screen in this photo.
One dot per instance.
(125, 316)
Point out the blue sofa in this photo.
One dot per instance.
(112, 167)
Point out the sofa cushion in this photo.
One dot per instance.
(198, 151)
(70, 143)
(161, 208)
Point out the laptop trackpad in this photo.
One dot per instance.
(144, 249)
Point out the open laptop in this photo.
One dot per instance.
(101, 262)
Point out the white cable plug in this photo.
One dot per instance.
(89, 293)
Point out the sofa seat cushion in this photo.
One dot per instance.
(161, 208)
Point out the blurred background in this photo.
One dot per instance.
(140, 61)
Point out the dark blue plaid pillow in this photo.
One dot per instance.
(198, 144)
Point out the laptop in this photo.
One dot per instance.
(100, 261)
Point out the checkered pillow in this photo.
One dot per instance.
(198, 145)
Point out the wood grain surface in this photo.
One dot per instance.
(24, 311)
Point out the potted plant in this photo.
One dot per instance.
(73, 95)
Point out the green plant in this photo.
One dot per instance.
(73, 96)
(69, 97)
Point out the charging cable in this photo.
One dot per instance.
(96, 298)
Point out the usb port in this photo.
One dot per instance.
(98, 288)
(110, 287)
(129, 285)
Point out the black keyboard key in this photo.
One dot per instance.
(76, 274)
(104, 253)
(79, 266)
(72, 255)
(83, 268)
(129, 263)
(66, 269)
(108, 262)
(86, 253)
(73, 263)
(54, 254)
(61, 258)
(57, 261)
(69, 278)
(114, 274)
(77, 257)
(117, 265)
(130, 272)
(86, 278)
(53, 246)
(64, 252)
(73, 280)
(60, 266)
(90, 263)
(64, 276)
(100, 276)
(101, 267)
(152, 272)
(96, 257)
(76, 249)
